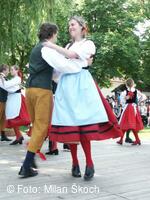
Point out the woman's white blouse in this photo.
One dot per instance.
(11, 85)
(13, 103)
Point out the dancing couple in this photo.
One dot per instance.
(13, 111)
(80, 112)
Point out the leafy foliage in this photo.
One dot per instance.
(120, 53)
(20, 20)
(112, 25)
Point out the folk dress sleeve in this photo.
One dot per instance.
(60, 63)
(11, 85)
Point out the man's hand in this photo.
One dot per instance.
(49, 44)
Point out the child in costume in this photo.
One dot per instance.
(130, 118)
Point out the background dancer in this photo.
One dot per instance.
(4, 71)
(16, 111)
(131, 118)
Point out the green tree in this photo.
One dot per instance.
(112, 25)
(145, 48)
(19, 21)
(120, 53)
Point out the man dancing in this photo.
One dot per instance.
(39, 91)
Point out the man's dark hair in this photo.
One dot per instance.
(46, 31)
(3, 67)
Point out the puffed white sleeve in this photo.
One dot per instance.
(86, 50)
(122, 98)
(141, 96)
(11, 85)
(56, 76)
(60, 63)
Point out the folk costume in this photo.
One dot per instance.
(52, 145)
(3, 99)
(39, 96)
(80, 112)
(130, 118)
(16, 110)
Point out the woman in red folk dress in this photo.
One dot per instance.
(16, 111)
(130, 118)
(81, 113)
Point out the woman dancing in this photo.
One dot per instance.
(80, 112)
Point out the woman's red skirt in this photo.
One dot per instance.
(99, 131)
(131, 119)
(23, 119)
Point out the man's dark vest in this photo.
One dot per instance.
(134, 98)
(3, 95)
(40, 72)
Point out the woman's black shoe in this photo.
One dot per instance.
(54, 152)
(19, 141)
(76, 171)
(66, 147)
(89, 173)
(128, 140)
(4, 137)
(25, 173)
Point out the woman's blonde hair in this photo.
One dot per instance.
(129, 82)
(81, 22)
(17, 68)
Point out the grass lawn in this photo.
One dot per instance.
(145, 134)
(24, 128)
